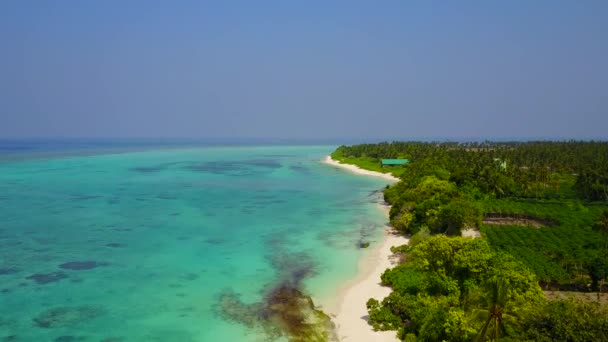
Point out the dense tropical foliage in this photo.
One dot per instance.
(455, 289)
(542, 208)
(531, 169)
(559, 186)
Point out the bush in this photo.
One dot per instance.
(568, 320)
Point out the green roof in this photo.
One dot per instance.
(394, 161)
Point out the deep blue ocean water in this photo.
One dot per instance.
(140, 246)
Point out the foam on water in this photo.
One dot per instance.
(139, 246)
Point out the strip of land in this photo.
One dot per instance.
(360, 171)
(542, 208)
(350, 315)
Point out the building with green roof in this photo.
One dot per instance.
(394, 162)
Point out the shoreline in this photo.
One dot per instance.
(350, 311)
(360, 171)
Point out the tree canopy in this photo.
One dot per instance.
(440, 292)
(542, 209)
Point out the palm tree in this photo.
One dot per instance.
(495, 311)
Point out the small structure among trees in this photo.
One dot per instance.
(394, 162)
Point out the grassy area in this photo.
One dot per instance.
(368, 163)
(558, 253)
(571, 213)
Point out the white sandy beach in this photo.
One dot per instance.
(360, 171)
(350, 314)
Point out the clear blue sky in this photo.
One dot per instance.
(304, 69)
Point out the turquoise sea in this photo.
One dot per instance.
(141, 245)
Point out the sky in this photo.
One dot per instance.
(364, 70)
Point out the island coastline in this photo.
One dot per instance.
(360, 171)
(349, 311)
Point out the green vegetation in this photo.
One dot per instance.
(560, 185)
(543, 210)
(567, 320)
(455, 289)
(537, 170)
(368, 163)
(563, 255)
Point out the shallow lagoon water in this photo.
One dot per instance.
(140, 246)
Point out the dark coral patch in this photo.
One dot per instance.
(46, 278)
(85, 197)
(8, 270)
(234, 168)
(66, 316)
(69, 338)
(190, 276)
(299, 168)
(148, 169)
(286, 311)
(362, 244)
(154, 168)
(115, 245)
(81, 265)
(113, 201)
(215, 241)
